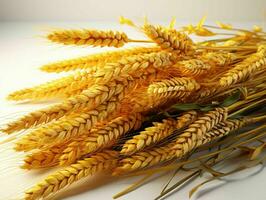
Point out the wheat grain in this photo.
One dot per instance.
(157, 132)
(100, 137)
(67, 176)
(94, 61)
(178, 42)
(245, 69)
(89, 37)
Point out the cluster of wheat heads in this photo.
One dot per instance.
(145, 108)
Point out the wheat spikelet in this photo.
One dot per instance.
(193, 135)
(96, 60)
(89, 37)
(66, 127)
(146, 158)
(134, 66)
(245, 69)
(219, 59)
(157, 132)
(178, 42)
(67, 176)
(193, 67)
(44, 158)
(173, 88)
(100, 137)
(61, 87)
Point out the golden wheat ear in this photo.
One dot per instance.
(62, 87)
(89, 37)
(83, 168)
(94, 61)
(178, 42)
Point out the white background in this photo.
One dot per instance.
(23, 49)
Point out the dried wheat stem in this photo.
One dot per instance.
(100, 137)
(245, 69)
(157, 132)
(178, 42)
(94, 61)
(89, 37)
(67, 176)
(193, 135)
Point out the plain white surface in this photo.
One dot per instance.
(22, 51)
(94, 10)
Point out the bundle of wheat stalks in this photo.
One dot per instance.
(149, 108)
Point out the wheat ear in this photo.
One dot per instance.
(89, 99)
(219, 59)
(134, 66)
(89, 37)
(100, 137)
(245, 69)
(222, 129)
(157, 132)
(65, 128)
(44, 158)
(157, 155)
(178, 42)
(146, 158)
(173, 88)
(62, 87)
(96, 60)
(67, 176)
(193, 135)
(193, 67)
